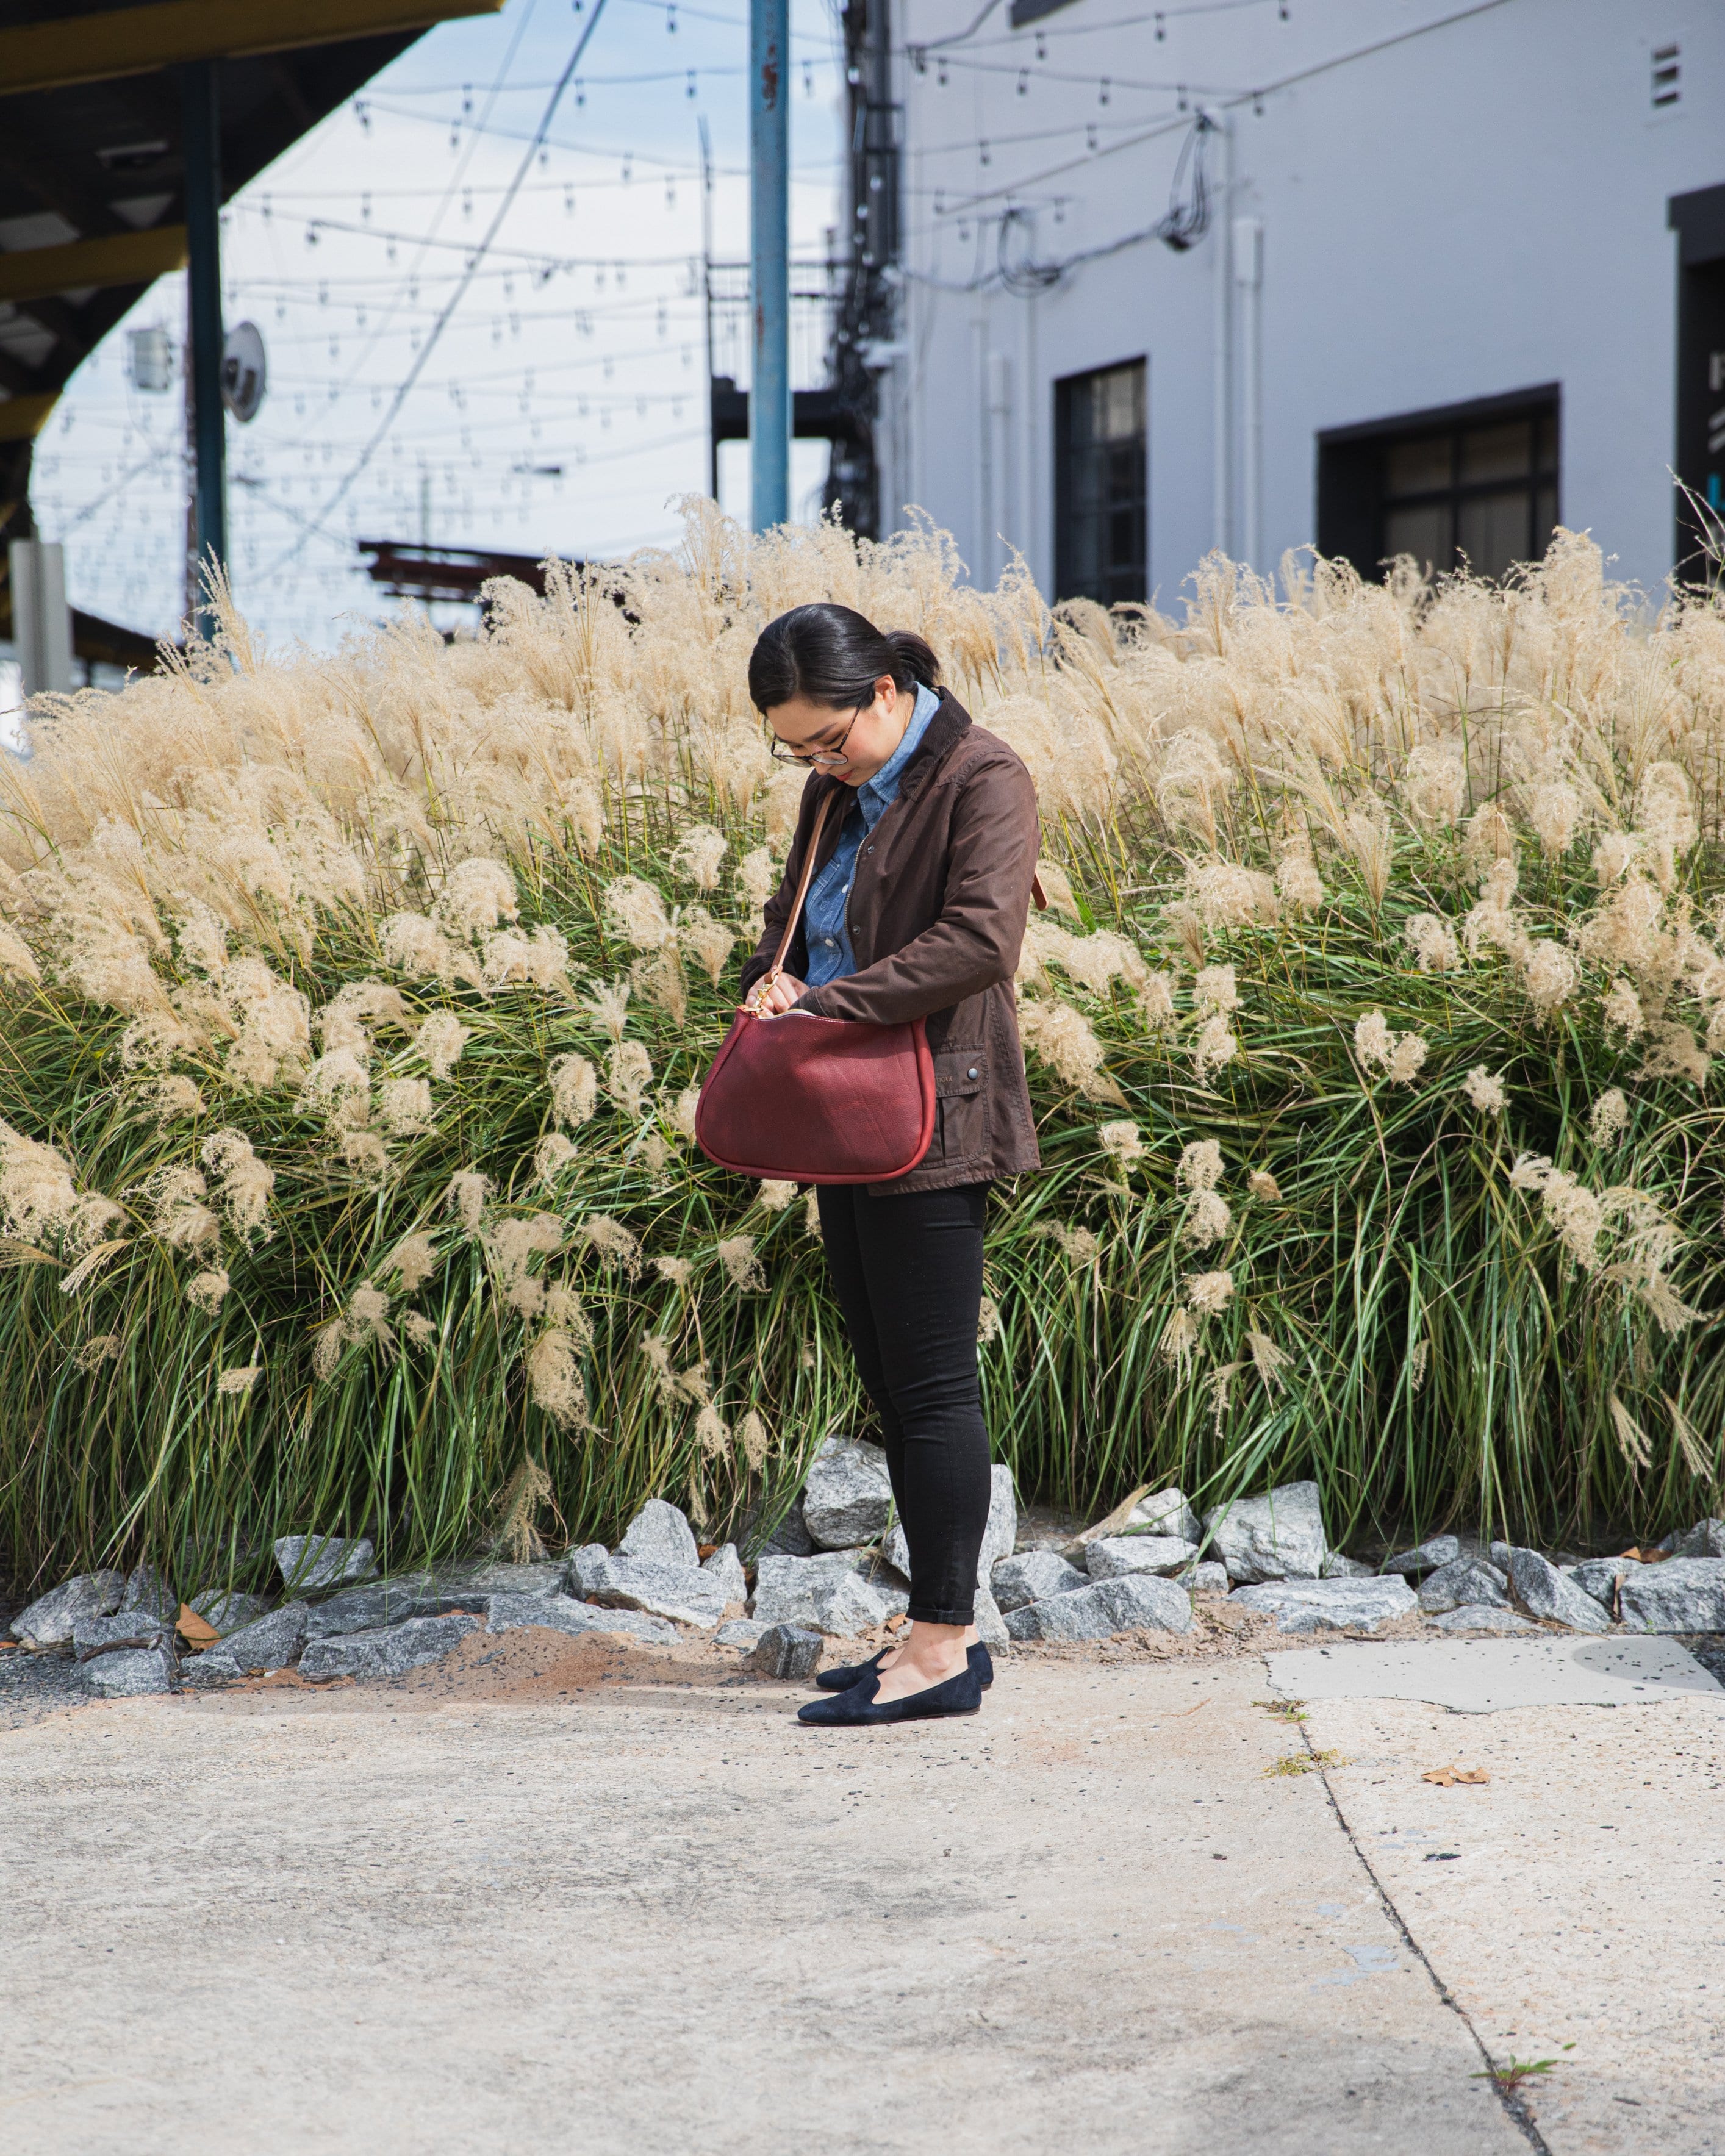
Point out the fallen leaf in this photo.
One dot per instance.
(1447, 1777)
(707, 1550)
(1646, 1556)
(195, 1630)
(897, 1621)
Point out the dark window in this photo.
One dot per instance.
(1698, 219)
(1101, 508)
(1472, 485)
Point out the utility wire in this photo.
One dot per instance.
(455, 298)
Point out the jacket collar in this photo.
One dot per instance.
(944, 732)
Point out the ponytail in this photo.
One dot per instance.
(834, 656)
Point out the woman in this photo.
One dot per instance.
(916, 909)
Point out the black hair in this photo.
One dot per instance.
(834, 656)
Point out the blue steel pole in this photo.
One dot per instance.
(203, 295)
(769, 262)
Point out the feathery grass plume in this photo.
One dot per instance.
(697, 855)
(519, 1540)
(811, 1212)
(476, 895)
(1057, 888)
(1436, 949)
(1208, 1293)
(1368, 834)
(1554, 814)
(1124, 1144)
(1621, 1010)
(574, 1090)
(678, 1271)
(238, 1380)
(416, 947)
(1608, 1118)
(1224, 895)
(1078, 1245)
(1156, 1004)
(178, 1215)
(1213, 991)
(102, 1347)
(414, 1258)
(540, 961)
(614, 1242)
(1398, 1057)
(608, 1006)
(404, 1105)
(1268, 1359)
(365, 1154)
(710, 940)
(1419, 1362)
(712, 1434)
(552, 1157)
(1214, 1045)
(1485, 1090)
(1298, 884)
(629, 1073)
(774, 1196)
(17, 961)
(757, 877)
(170, 1099)
(1674, 1052)
(91, 1263)
(1179, 1336)
(39, 1203)
(1063, 1037)
(466, 1196)
(1613, 856)
(513, 1245)
(1208, 1217)
(1195, 776)
(418, 1328)
(205, 1290)
(440, 1040)
(1550, 976)
(634, 909)
(1491, 838)
(737, 1254)
(1262, 1185)
(1688, 1442)
(338, 1088)
(328, 1343)
(756, 1440)
(365, 1318)
(988, 1320)
(659, 976)
(1630, 1436)
(683, 1111)
(1434, 783)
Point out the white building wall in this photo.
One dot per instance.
(1469, 212)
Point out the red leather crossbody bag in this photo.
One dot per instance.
(796, 1097)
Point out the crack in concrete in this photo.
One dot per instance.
(1515, 2110)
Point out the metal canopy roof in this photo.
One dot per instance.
(92, 179)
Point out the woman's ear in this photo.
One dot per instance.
(887, 691)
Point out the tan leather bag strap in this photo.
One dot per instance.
(796, 913)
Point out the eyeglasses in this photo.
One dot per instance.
(819, 757)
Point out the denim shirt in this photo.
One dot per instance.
(824, 926)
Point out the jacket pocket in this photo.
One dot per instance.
(961, 1096)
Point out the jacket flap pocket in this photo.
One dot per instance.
(958, 1071)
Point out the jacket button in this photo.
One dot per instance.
(971, 1073)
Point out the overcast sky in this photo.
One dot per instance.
(560, 409)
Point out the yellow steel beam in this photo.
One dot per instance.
(138, 40)
(118, 258)
(22, 419)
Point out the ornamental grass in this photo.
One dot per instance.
(355, 1008)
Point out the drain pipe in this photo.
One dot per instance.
(1222, 354)
(1249, 275)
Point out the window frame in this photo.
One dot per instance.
(1067, 388)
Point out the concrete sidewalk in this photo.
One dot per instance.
(556, 1897)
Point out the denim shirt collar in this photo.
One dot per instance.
(877, 794)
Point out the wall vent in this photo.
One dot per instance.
(1664, 84)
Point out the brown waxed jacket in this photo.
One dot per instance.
(937, 917)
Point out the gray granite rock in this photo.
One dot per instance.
(560, 1613)
(787, 1650)
(791, 1537)
(124, 1628)
(1135, 1602)
(145, 1589)
(725, 1568)
(746, 1632)
(832, 1592)
(990, 1625)
(133, 1673)
(1277, 1537)
(391, 1651)
(1481, 1617)
(484, 1578)
(387, 1601)
(1337, 1566)
(1001, 1533)
(896, 1551)
(226, 1611)
(1543, 1591)
(1464, 1582)
(1705, 1538)
(1164, 1512)
(1429, 1556)
(685, 1593)
(584, 1568)
(50, 1620)
(1684, 1595)
(661, 1534)
(848, 1498)
(1207, 1576)
(307, 1562)
(1597, 1576)
(272, 1642)
(1500, 1554)
(1032, 1576)
(1113, 1556)
(1329, 1605)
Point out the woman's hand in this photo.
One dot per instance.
(769, 997)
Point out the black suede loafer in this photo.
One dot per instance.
(852, 1673)
(856, 1708)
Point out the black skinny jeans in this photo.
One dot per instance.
(908, 1274)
